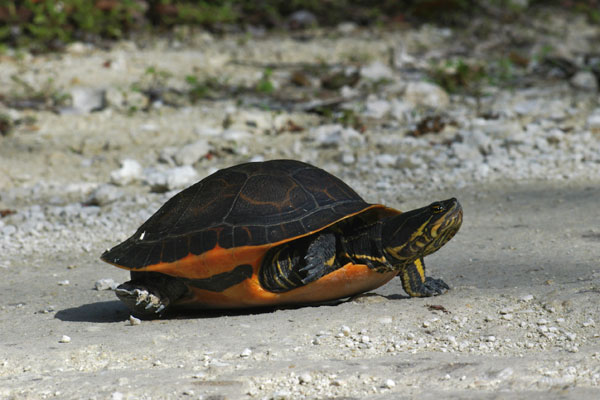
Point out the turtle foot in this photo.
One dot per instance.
(433, 287)
(142, 302)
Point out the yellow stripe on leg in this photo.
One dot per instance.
(420, 268)
(405, 277)
(413, 277)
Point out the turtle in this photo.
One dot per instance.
(276, 233)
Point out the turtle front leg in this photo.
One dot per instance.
(416, 284)
(149, 294)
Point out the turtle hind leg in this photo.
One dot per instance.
(150, 294)
(416, 284)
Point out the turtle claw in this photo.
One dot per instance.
(141, 301)
(139, 298)
(434, 287)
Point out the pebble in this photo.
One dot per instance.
(376, 108)
(235, 135)
(9, 230)
(191, 153)
(134, 321)
(588, 323)
(105, 284)
(585, 80)
(104, 194)
(65, 339)
(452, 340)
(593, 121)
(389, 384)
(282, 395)
(376, 71)
(181, 177)
(46, 310)
(149, 127)
(63, 283)
(571, 336)
(338, 382)
(129, 172)
(163, 180)
(386, 160)
(527, 298)
(305, 378)
(135, 100)
(85, 100)
(426, 94)
(246, 353)
(114, 98)
(77, 48)
(348, 159)
(335, 135)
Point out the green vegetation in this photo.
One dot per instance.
(47, 25)
(42, 96)
(458, 76)
(153, 79)
(265, 85)
(203, 89)
(6, 124)
(461, 76)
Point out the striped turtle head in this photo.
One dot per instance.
(417, 233)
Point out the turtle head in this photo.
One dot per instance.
(417, 233)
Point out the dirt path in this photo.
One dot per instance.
(520, 320)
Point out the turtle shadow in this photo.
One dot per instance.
(181, 313)
(374, 297)
(115, 311)
(99, 312)
(396, 296)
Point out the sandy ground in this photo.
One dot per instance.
(519, 321)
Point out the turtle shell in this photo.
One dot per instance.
(234, 215)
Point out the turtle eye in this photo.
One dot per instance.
(437, 208)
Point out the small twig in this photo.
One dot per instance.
(315, 104)
(285, 65)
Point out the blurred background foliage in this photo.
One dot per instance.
(48, 25)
